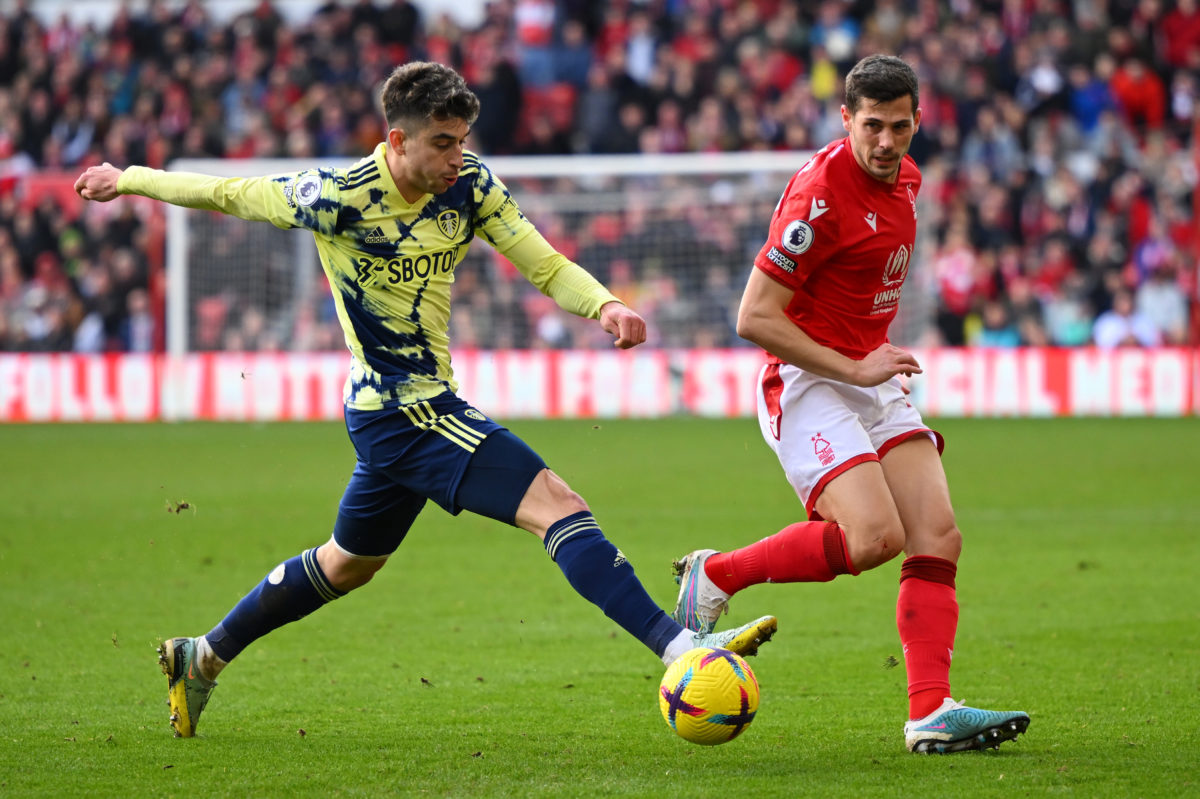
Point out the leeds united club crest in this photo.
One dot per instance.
(447, 222)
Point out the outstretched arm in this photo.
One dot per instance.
(285, 201)
(762, 319)
(574, 289)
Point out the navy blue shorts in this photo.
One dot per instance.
(441, 449)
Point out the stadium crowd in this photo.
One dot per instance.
(1058, 143)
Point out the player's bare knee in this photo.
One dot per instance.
(562, 495)
(355, 574)
(555, 498)
(874, 544)
(939, 539)
(548, 499)
(945, 543)
(344, 572)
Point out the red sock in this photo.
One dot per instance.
(806, 552)
(927, 618)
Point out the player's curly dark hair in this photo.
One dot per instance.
(881, 78)
(420, 91)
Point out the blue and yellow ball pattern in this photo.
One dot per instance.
(709, 696)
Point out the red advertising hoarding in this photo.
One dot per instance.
(509, 384)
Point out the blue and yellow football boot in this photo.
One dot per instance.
(187, 689)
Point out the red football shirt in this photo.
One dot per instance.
(842, 241)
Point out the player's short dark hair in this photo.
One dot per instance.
(881, 78)
(420, 91)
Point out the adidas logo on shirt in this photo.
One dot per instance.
(376, 236)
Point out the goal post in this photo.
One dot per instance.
(673, 235)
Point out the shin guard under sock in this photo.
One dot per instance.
(927, 620)
(601, 574)
(291, 591)
(806, 552)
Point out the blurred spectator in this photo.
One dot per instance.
(1090, 93)
(1113, 142)
(957, 268)
(1069, 314)
(399, 24)
(137, 328)
(1160, 300)
(72, 132)
(1180, 30)
(1123, 326)
(1140, 94)
(1040, 87)
(597, 108)
(572, 55)
(544, 139)
(996, 326)
(837, 33)
(992, 144)
(534, 21)
(1183, 101)
(499, 92)
(623, 135)
(1027, 313)
(640, 47)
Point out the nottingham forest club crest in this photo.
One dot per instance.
(448, 222)
(823, 450)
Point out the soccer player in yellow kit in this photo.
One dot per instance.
(390, 232)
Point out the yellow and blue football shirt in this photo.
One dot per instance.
(390, 263)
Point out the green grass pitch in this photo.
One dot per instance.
(469, 668)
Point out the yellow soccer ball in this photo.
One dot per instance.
(709, 696)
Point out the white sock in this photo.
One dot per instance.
(679, 644)
(207, 661)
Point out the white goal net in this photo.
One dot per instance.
(673, 236)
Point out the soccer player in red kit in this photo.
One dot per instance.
(832, 406)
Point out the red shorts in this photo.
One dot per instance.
(819, 428)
